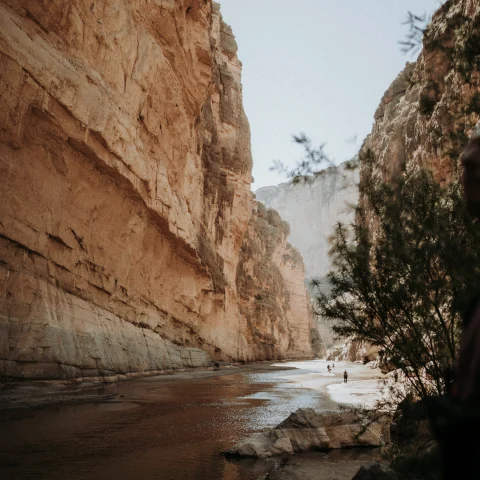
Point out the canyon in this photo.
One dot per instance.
(131, 244)
(130, 239)
(313, 208)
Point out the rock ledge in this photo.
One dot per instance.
(307, 429)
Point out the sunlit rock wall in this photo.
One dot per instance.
(125, 195)
(271, 287)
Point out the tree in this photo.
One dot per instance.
(307, 169)
(403, 273)
(417, 25)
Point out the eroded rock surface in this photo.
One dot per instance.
(271, 288)
(306, 430)
(427, 114)
(353, 351)
(126, 168)
(312, 210)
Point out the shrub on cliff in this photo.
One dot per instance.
(403, 274)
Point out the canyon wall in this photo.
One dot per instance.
(313, 209)
(126, 205)
(271, 285)
(427, 114)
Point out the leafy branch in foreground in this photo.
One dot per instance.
(309, 167)
(403, 284)
(417, 25)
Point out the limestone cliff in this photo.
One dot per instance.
(353, 351)
(426, 115)
(125, 164)
(313, 209)
(271, 286)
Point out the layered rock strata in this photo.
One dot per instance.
(313, 209)
(126, 168)
(353, 351)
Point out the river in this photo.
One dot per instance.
(172, 426)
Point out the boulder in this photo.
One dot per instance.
(307, 429)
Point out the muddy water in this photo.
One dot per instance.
(160, 427)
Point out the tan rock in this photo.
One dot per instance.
(126, 167)
(427, 114)
(271, 289)
(306, 430)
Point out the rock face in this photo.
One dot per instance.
(126, 168)
(306, 430)
(427, 114)
(313, 209)
(353, 351)
(271, 286)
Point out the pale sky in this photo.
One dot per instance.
(317, 66)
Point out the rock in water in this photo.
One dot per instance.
(306, 430)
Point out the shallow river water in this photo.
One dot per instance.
(170, 428)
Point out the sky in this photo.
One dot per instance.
(315, 66)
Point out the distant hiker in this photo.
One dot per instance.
(328, 367)
(345, 376)
(455, 418)
(333, 366)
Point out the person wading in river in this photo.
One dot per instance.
(456, 418)
(345, 376)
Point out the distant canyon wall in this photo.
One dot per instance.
(312, 210)
(271, 285)
(126, 224)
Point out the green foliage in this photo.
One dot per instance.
(404, 289)
(417, 25)
(309, 167)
